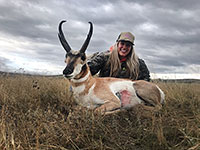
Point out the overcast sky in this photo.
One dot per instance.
(167, 32)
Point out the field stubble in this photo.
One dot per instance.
(40, 113)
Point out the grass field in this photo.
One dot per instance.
(39, 113)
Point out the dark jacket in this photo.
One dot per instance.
(98, 63)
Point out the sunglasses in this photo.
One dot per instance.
(127, 44)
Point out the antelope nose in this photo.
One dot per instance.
(67, 71)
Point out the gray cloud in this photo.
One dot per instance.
(4, 64)
(167, 32)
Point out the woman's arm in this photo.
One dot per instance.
(96, 63)
(144, 73)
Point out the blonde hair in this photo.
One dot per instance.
(132, 63)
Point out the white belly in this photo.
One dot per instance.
(89, 100)
(126, 93)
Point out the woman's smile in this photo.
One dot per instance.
(124, 48)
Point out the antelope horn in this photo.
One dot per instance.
(85, 45)
(62, 37)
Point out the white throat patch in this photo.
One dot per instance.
(77, 70)
(81, 79)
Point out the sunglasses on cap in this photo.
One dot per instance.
(127, 44)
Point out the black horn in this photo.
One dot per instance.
(62, 37)
(85, 45)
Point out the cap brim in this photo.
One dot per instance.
(126, 41)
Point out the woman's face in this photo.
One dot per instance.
(124, 48)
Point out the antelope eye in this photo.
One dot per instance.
(83, 57)
(69, 54)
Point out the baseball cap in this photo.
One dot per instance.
(126, 36)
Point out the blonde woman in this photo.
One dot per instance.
(121, 61)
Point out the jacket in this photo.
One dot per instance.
(97, 63)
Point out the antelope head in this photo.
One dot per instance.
(75, 59)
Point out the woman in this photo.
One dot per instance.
(121, 62)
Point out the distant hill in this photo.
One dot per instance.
(177, 80)
(154, 80)
(25, 74)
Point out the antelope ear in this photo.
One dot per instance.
(62, 37)
(87, 41)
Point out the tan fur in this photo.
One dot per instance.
(146, 90)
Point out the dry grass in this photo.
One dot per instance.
(38, 113)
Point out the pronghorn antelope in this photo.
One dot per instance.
(106, 95)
